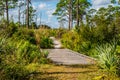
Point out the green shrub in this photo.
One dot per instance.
(107, 57)
(5, 47)
(53, 32)
(74, 41)
(118, 66)
(28, 52)
(11, 29)
(25, 34)
(69, 41)
(60, 32)
(46, 42)
(15, 55)
(19, 53)
(14, 66)
(42, 38)
(12, 70)
(22, 49)
(45, 53)
(85, 39)
(15, 72)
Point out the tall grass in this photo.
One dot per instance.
(107, 57)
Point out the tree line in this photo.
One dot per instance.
(72, 11)
(25, 9)
(76, 12)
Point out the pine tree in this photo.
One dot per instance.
(6, 5)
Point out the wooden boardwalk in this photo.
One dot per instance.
(68, 57)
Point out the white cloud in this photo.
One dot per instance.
(14, 13)
(96, 4)
(34, 7)
(42, 5)
(100, 2)
(49, 13)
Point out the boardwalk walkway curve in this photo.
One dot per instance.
(66, 56)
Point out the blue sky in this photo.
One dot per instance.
(47, 7)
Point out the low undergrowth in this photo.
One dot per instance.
(75, 72)
(19, 53)
(85, 41)
(108, 58)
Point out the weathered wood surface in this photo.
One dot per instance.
(67, 57)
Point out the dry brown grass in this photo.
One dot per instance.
(77, 72)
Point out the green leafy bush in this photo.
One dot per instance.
(60, 32)
(25, 34)
(42, 38)
(53, 32)
(15, 72)
(10, 69)
(74, 41)
(81, 40)
(5, 47)
(85, 39)
(27, 51)
(11, 29)
(107, 57)
(118, 66)
(46, 42)
(16, 55)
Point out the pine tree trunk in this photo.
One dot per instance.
(27, 15)
(19, 16)
(7, 14)
(70, 15)
(78, 14)
(69, 22)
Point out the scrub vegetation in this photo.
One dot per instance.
(95, 33)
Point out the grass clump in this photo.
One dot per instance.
(108, 58)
